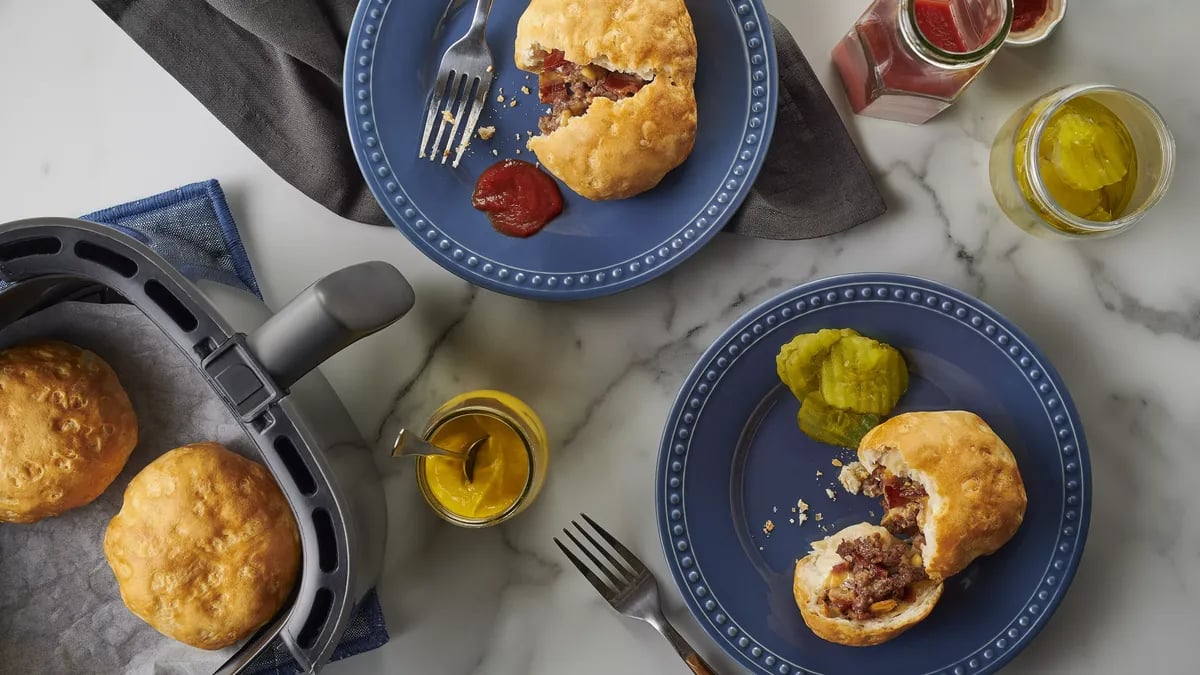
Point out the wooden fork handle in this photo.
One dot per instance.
(689, 655)
(697, 664)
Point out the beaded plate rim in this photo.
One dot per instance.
(816, 296)
(479, 269)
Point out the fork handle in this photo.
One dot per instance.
(482, 8)
(689, 655)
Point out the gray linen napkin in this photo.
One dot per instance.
(271, 71)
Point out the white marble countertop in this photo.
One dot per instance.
(88, 120)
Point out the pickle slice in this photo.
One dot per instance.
(1088, 150)
(799, 361)
(863, 375)
(824, 423)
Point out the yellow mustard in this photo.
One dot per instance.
(501, 469)
(509, 469)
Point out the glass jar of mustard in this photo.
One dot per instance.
(510, 468)
(1082, 161)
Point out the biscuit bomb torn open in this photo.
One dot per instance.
(618, 78)
(951, 492)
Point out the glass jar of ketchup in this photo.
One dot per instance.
(908, 60)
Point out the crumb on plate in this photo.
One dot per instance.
(769, 526)
(490, 69)
(524, 89)
(500, 98)
(512, 103)
(486, 133)
(819, 517)
(852, 476)
(836, 462)
(829, 493)
(495, 152)
(819, 473)
(447, 118)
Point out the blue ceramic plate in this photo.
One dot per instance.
(732, 458)
(593, 248)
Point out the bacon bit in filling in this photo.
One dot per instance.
(570, 88)
(902, 498)
(879, 575)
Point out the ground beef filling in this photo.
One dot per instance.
(569, 88)
(879, 576)
(902, 500)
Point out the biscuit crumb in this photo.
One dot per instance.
(447, 118)
(524, 89)
(768, 527)
(490, 69)
(792, 521)
(518, 151)
(774, 509)
(500, 98)
(852, 476)
(836, 462)
(495, 152)
(819, 517)
(801, 510)
(486, 133)
(819, 473)
(512, 103)
(829, 493)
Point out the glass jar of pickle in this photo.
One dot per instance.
(908, 60)
(510, 467)
(1082, 161)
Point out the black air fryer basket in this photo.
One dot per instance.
(262, 367)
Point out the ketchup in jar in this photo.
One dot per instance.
(518, 197)
(908, 60)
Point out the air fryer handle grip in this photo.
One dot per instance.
(329, 316)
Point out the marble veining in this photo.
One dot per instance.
(1119, 318)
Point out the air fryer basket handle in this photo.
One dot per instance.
(329, 316)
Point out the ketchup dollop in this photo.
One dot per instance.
(518, 197)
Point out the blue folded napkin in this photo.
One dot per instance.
(192, 228)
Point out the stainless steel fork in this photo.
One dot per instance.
(460, 91)
(628, 586)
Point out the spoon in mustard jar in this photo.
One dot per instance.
(409, 444)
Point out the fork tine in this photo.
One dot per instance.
(622, 569)
(632, 560)
(586, 571)
(481, 95)
(467, 99)
(431, 114)
(616, 583)
(451, 98)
